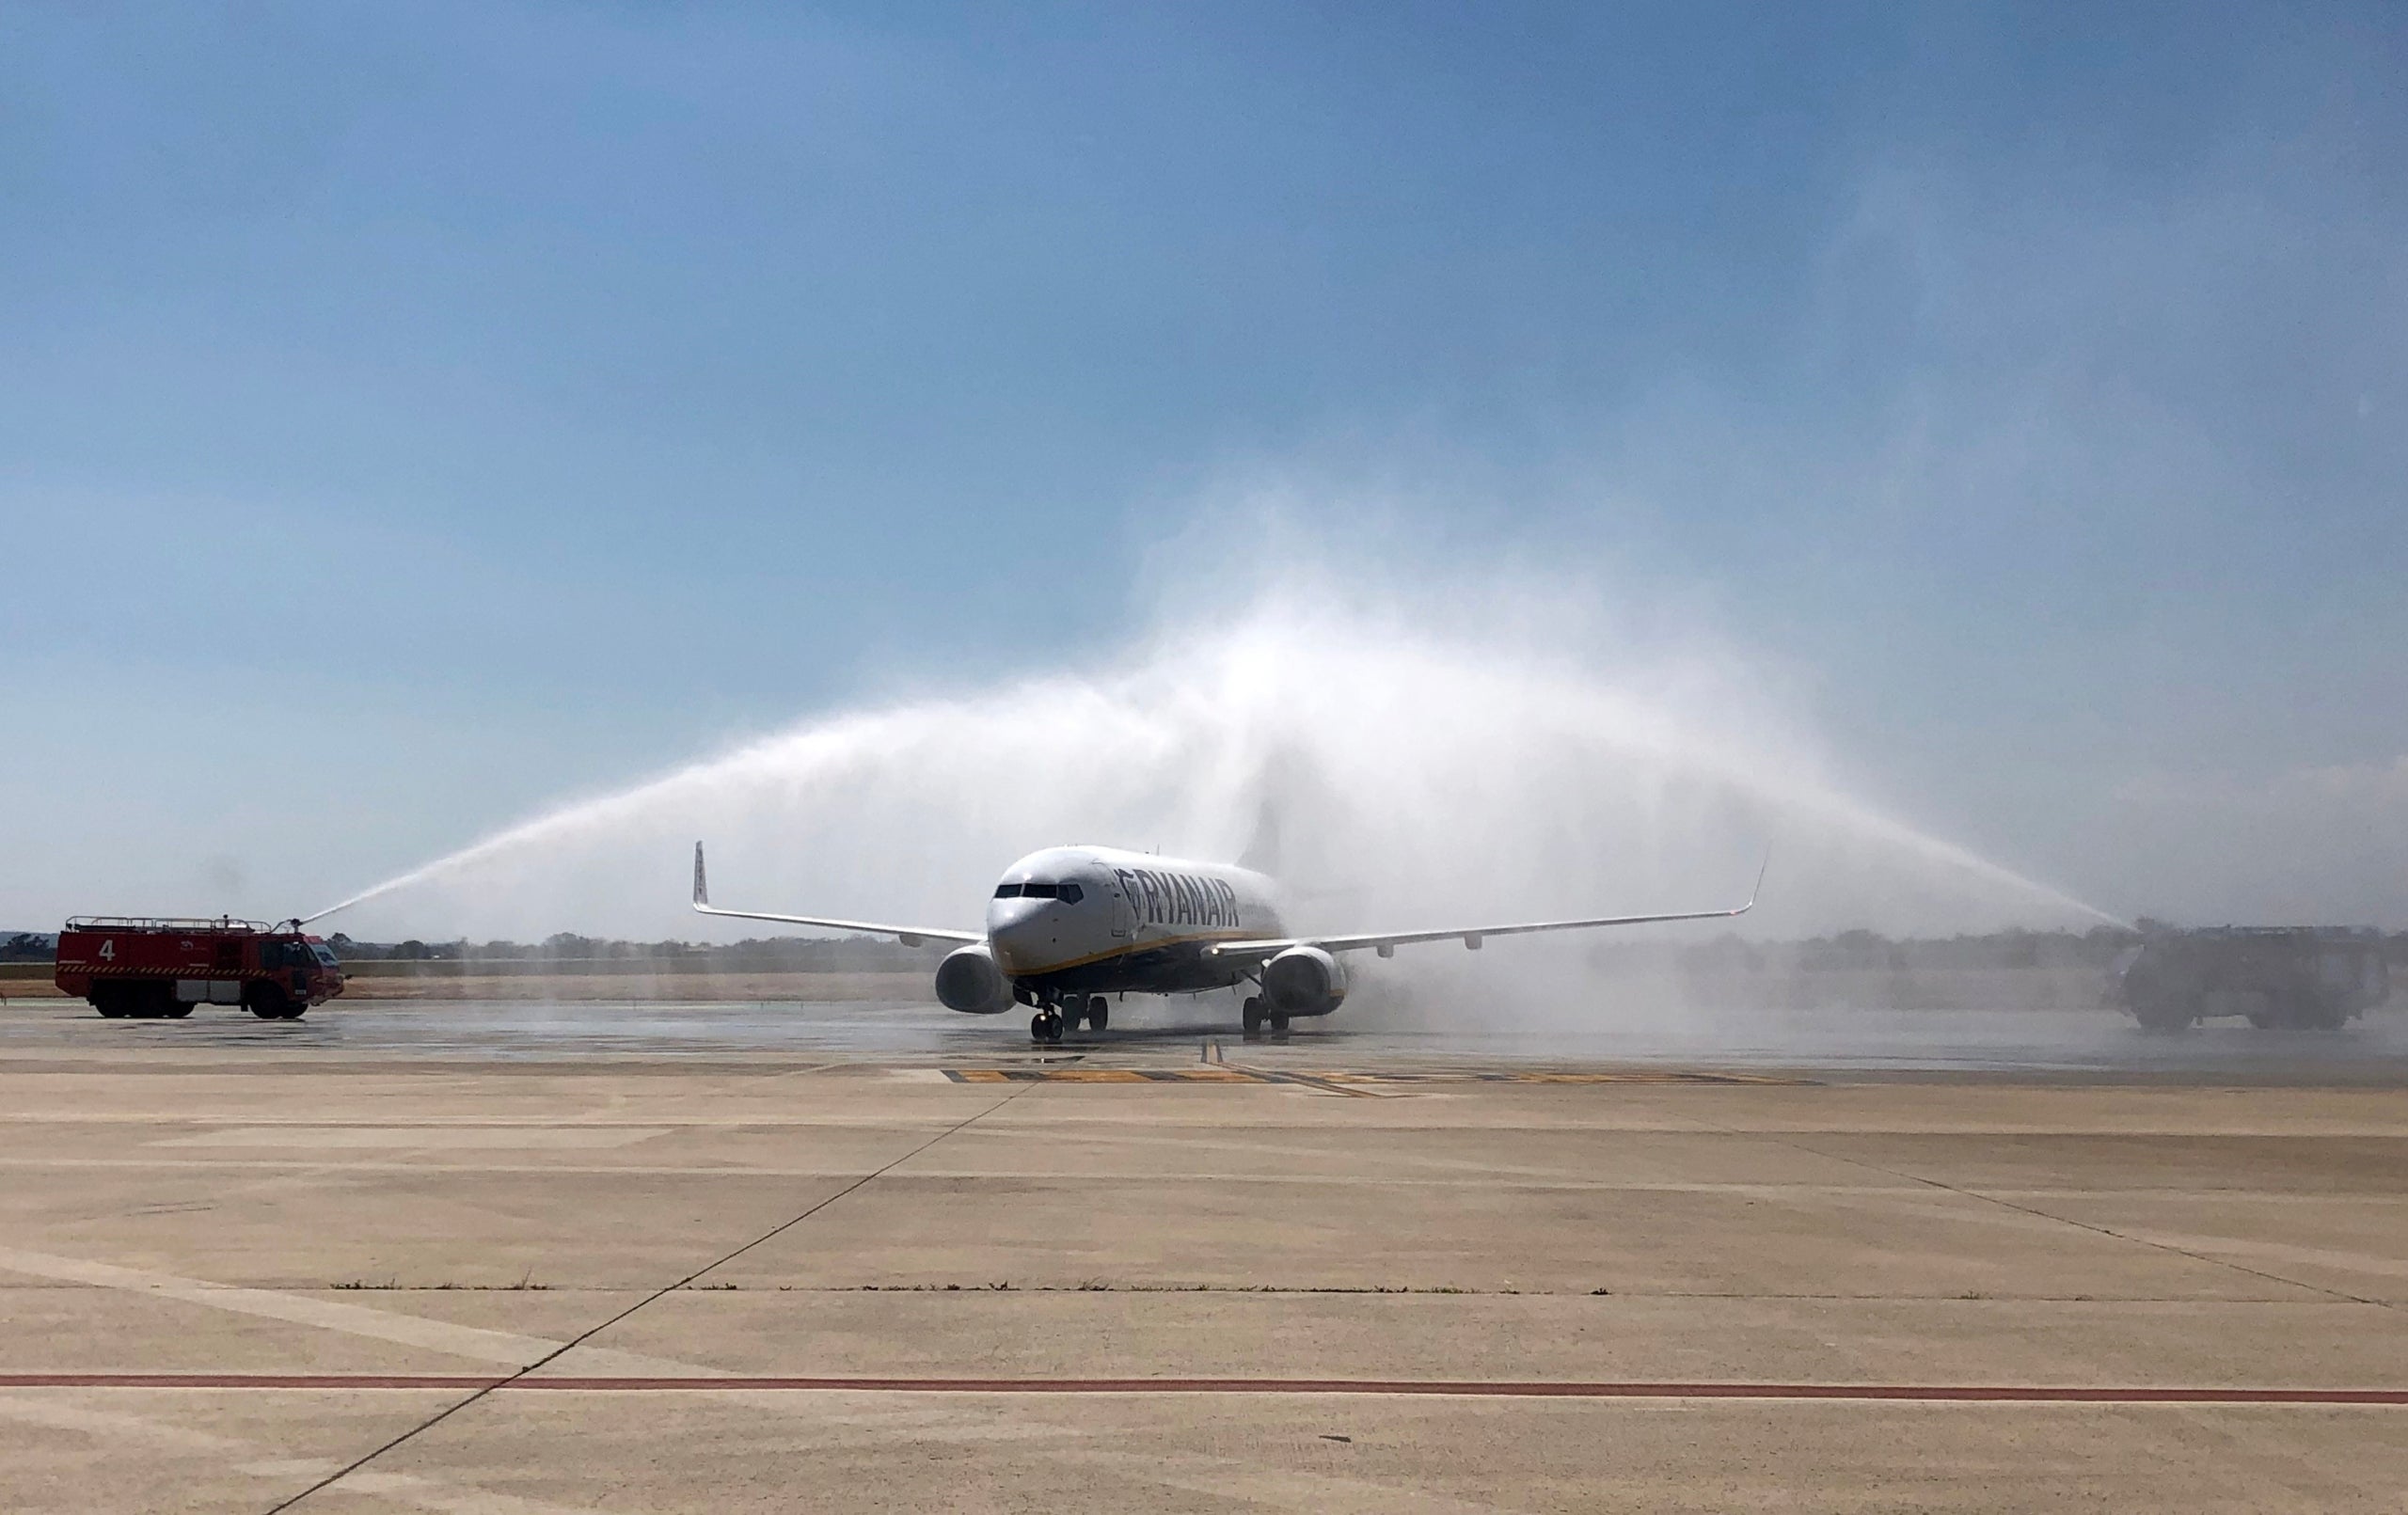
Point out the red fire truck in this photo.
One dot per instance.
(149, 969)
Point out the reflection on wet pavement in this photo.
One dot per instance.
(904, 1033)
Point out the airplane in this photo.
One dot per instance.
(1068, 925)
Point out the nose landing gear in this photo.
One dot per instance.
(1053, 1019)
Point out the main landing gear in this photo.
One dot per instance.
(1256, 1015)
(1050, 1020)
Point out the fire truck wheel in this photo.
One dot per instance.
(153, 1001)
(178, 1010)
(108, 1001)
(268, 1003)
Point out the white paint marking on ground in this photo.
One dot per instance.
(892, 1424)
(1285, 1487)
(476, 1343)
(848, 1171)
(436, 1138)
(112, 1427)
(2271, 1252)
(451, 1499)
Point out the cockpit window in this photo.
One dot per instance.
(1067, 894)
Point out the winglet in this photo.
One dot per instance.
(1761, 870)
(702, 885)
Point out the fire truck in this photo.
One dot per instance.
(133, 966)
(2282, 978)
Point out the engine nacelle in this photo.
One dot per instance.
(969, 980)
(1304, 981)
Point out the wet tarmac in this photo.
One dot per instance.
(614, 1257)
(2072, 1043)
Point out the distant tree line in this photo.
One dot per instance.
(28, 947)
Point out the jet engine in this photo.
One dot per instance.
(969, 980)
(1304, 981)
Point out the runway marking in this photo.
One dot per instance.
(578, 1137)
(2272, 1252)
(1461, 1388)
(255, 1461)
(479, 1392)
(1215, 1073)
(1102, 1075)
(1231, 1073)
(474, 1342)
(1614, 1076)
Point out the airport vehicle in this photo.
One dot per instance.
(149, 969)
(1069, 926)
(2293, 978)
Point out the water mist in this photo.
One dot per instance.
(1416, 769)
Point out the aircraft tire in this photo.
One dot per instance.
(1278, 1023)
(1099, 1013)
(1250, 1014)
(1045, 1026)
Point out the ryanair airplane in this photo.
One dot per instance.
(1069, 926)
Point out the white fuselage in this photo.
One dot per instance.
(1099, 920)
(1069, 926)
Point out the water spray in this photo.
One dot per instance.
(1409, 769)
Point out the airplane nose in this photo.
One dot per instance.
(1016, 934)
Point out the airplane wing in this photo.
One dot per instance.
(908, 936)
(1385, 944)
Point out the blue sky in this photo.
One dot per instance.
(409, 415)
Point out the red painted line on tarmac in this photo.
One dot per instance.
(1475, 1388)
